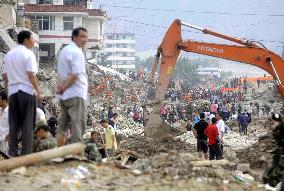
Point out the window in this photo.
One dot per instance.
(108, 45)
(94, 54)
(73, 2)
(44, 22)
(44, 2)
(101, 28)
(68, 23)
(109, 36)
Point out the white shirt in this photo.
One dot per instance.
(221, 126)
(40, 117)
(17, 63)
(4, 124)
(72, 61)
(249, 109)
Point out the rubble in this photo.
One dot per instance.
(243, 168)
(48, 81)
(259, 154)
(180, 165)
(105, 177)
(146, 146)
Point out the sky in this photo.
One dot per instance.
(261, 20)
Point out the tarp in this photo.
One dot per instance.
(254, 79)
(230, 89)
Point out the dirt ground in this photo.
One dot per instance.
(48, 177)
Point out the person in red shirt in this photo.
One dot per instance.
(211, 132)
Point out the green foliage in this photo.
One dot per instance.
(185, 68)
(147, 63)
(186, 71)
(102, 60)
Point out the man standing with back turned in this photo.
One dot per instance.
(73, 88)
(19, 73)
(202, 140)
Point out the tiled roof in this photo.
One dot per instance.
(30, 8)
(54, 8)
(96, 12)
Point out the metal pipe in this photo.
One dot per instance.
(274, 70)
(192, 26)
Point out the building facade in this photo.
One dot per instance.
(57, 18)
(209, 71)
(120, 49)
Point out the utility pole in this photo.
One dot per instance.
(283, 52)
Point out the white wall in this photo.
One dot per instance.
(57, 2)
(60, 32)
(32, 1)
(92, 24)
(8, 15)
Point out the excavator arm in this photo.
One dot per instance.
(246, 52)
(260, 57)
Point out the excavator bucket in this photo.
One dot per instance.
(155, 127)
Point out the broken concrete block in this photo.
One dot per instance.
(243, 168)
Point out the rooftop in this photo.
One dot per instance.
(96, 12)
(31, 8)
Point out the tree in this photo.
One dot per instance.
(147, 63)
(186, 71)
(102, 60)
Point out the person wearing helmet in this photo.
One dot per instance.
(275, 171)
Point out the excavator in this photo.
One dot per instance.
(244, 51)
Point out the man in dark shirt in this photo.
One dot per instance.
(243, 120)
(198, 131)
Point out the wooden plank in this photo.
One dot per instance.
(44, 156)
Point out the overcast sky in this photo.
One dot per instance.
(253, 19)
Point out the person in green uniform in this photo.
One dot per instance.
(274, 174)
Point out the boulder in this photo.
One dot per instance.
(264, 158)
(230, 155)
(243, 168)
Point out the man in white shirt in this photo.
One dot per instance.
(221, 130)
(4, 123)
(221, 126)
(19, 74)
(73, 88)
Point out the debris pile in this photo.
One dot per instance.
(183, 165)
(148, 147)
(259, 154)
(48, 81)
(127, 127)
